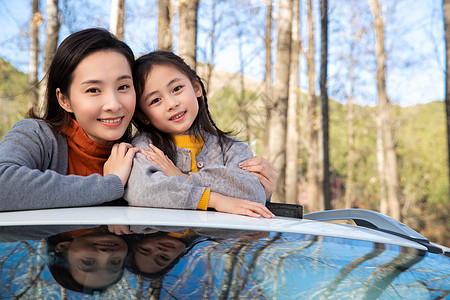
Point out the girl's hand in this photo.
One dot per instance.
(159, 159)
(238, 206)
(120, 161)
(264, 170)
(119, 229)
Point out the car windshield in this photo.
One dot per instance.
(210, 263)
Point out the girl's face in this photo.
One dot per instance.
(155, 253)
(96, 259)
(169, 100)
(101, 96)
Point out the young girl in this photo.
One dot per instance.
(72, 155)
(175, 123)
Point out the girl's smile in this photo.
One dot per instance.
(169, 100)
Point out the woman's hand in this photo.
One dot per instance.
(119, 229)
(120, 161)
(159, 159)
(238, 206)
(264, 170)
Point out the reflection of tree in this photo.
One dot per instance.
(385, 274)
(377, 250)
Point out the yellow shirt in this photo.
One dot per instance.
(195, 145)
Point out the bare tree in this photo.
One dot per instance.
(187, 31)
(324, 102)
(294, 94)
(268, 71)
(384, 111)
(50, 45)
(36, 20)
(164, 25)
(117, 18)
(446, 9)
(349, 182)
(312, 121)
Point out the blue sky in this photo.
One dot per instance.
(414, 37)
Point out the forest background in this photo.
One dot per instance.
(344, 97)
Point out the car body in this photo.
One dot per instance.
(236, 257)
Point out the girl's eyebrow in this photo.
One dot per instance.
(97, 81)
(168, 84)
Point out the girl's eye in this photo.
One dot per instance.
(93, 91)
(154, 101)
(124, 87)
(88, 262)
(176, 89)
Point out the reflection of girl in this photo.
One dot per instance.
(86, 260)
(173, 117)
(153, 255)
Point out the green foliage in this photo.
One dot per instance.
(13, 96)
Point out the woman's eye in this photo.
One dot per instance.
(116, 262)
(154, 101)
(93, 90)
(164, 258)
(124, 87)
(88, 262)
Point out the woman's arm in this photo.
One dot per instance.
(264, 170)
(33, 166)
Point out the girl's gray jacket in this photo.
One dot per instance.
(33, 167)
(218, 171)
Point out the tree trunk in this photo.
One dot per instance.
(446, 8)
(117, 18)
(50, 45)
(268, 74)
(294, 94)
(312, 124)
(164, 25)
(187, 31)
(36, 21)
(349, 196)
(384, 109)
(324, 103)
(277, 122)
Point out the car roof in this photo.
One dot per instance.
(211, 219)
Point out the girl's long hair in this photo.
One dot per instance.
(202, 123)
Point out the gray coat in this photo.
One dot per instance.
(33, 168)
(148, 186)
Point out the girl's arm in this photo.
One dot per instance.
(238, 206)
(148, 186)
(222, 174)
(33, 164)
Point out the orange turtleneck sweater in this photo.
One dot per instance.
(86, 157)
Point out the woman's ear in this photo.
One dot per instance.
(63, 101)
(62, 246)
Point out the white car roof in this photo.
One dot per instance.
(192, 218)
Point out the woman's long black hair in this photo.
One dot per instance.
(202, 123)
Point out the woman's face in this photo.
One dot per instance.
(155, 253)
(101, 96)
(96, 259)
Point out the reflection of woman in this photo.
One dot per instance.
(153, 255)
(86, 260)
